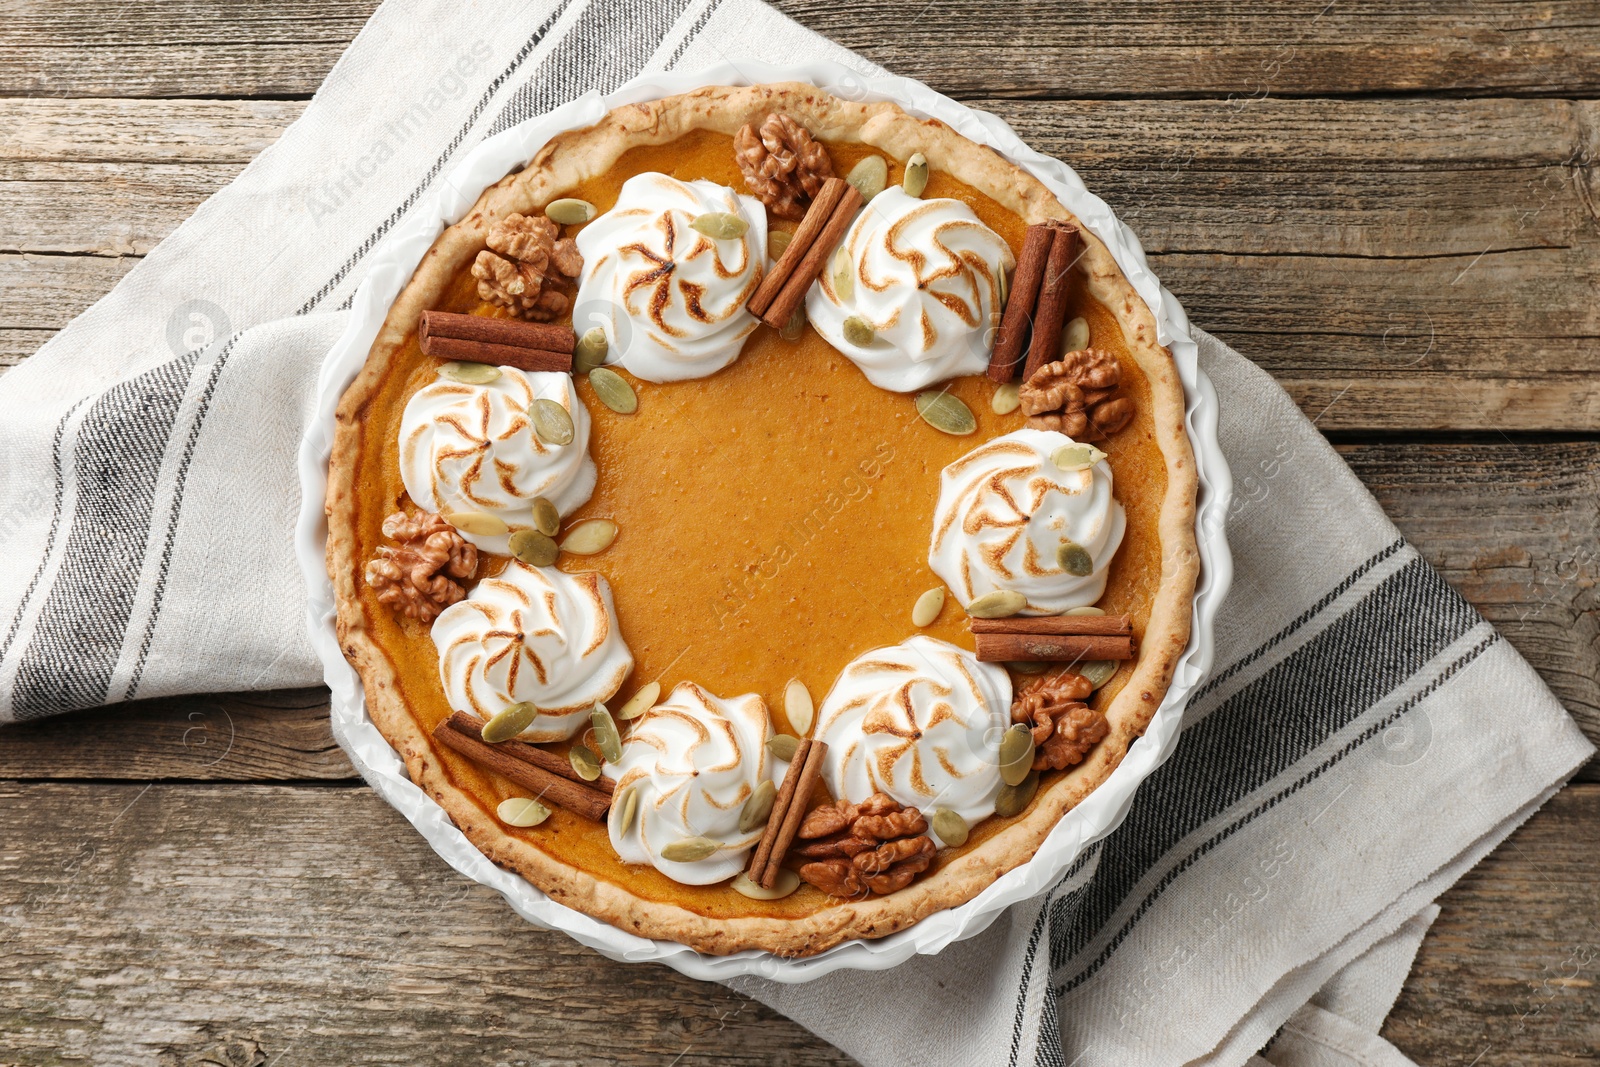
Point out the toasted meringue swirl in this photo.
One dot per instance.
(1004, 510)
(466, 448)
(926, 277)
(694, 760)
(670, 298)
(533, 634)
(920, 721)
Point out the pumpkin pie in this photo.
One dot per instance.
(762, 517)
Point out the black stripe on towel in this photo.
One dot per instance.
(609, 43)
(1264, 731)
(50, 537)
(117, 460)
(182, 479)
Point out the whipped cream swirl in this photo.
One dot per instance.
(466, 448)
(694, 760)
(533, 634)
(670, 298)
(920, 721)
(926, 277)
(1004, 511)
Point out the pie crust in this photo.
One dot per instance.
(559, 166)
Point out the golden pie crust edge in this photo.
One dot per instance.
(572, 157)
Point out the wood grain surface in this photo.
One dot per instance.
(1392, 207)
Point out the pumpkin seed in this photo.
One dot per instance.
(758, 807)
(870, 176)
(1075, 337)
(945, 413)
(546, 519)
(509, 722)
(1016, 754)
(623, 808)
(927, 607)
(1076, 457)
(569, 212)
(1084, 611)
(1098, 671)
(689, 850)
(1014, 799)
(470, 373)
(534, 548)
(997, 605)
(1028, 666)
(916, 176)
(477, 523)
(551, 423)
(586, 763)
(859, 332)
(843, 276)
(614, 391)
(785, 883)
(798, 706)
(590, 351)
(1007, 398)
(641, 702)
(796, 325)
(720, 225)
(950, 826)
(1075, 559)
(522, 811)
(1003, 285)
(783, 747)
(778, 243)
(605, 734)
(589, 537)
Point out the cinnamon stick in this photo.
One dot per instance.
(1013, 332)
(780, 808)
(1057, 625)
(582, 800)
(816, 218)
(1051, 313)
(513, 332)
(812, 263)
(1025, 647)
(530, 359)
(794, 813)
(542, 758)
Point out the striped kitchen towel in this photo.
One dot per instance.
(1367, 737)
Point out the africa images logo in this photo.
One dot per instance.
(325, 200)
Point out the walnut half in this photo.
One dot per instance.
(420, 576)
(526, 259)
(782, 164)
(1075, 395)
(1064, 727)
(876, 846)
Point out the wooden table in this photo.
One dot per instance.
(1393, 206)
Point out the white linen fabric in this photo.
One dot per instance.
(1264, 897)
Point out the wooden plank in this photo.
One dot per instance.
(1528, 556)
(1413, 264)
(1181, 48)
(102, 209)
(1507, 974)
(141, 131)
(157, 921)
(151, 924)
(172, 47)
(1030, 48)
(272, 736)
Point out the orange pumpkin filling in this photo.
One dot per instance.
(774, 522)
